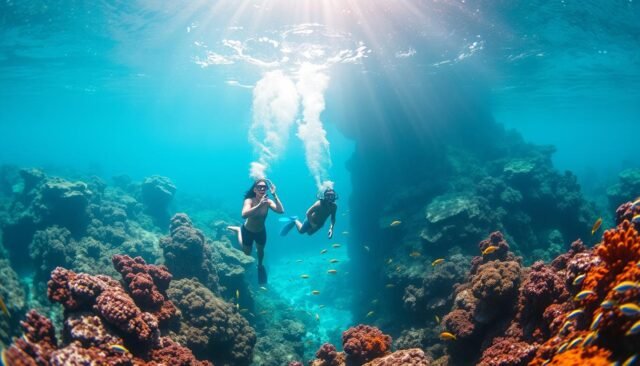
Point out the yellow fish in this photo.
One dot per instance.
(370, 314)
(118, 348)
(334, 261)
(596, 225)
(332, 271)
(315, 292)
(395, 223)
(237, 294)
(336, 245)
(415, 254)
(4, 308)
(583, 295)
(305, 276)
(437, 261)
(490, 249)
(323, 251)
(578, 280)
(437, 319)
(447, 336)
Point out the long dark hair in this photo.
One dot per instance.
(250, 193)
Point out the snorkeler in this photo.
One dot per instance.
(254, 209)
(317, 215)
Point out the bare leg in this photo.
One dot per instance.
(299, 226)
(238, 232)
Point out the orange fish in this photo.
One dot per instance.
(490, 249)
(596, 225)
(4, 308)
(446, 336)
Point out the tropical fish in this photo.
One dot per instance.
(574, 314)
(321, 306)
(589, 339)
(545, 362)
(370, 314)
(395, 223)
(237, 306)
(332, 271)
(636, 203)
(490, 249)
(334, 261)
(237, 294)
(315, 292)
(630, 361)
(437, 261)
(4, 308)
(244, 311)
(635, 329)
(263, 288)
(596, 225)
(583, 295)
(608, 304)
(630, 309)
(574, 343)
(390, 285)
(626, 285)
(336, 245)
(638, 264)
(389, 261)
(118, 348)
(636, 219)
(578, 280)
(565, 326)
(562, 347)
(437, 319)
(263, 312)
(323, 251)
(596, 322)
(447, 336)
(415, 254)
(305, 276)
(374, 301)
(317, 317)
(366, 248)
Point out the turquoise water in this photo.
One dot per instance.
(174, 88)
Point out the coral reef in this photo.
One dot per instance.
(212, 328)
(105, 323)
(363, 343)
(189, 254)
(13, 295)
(628, 186)
(407, 357)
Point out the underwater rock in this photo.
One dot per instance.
(211, 327)
(628, 186)
(328, 355)
(51, 248)
(9, 180)
(507, 352)
(157, 193)
(103, 323)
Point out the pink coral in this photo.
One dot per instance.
(328, 355)
(405, 357)
(36, 346)
(364, 343)
(507, 352)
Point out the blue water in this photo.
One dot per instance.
(154, 87)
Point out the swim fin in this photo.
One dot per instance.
(288, 226)
(262, 275)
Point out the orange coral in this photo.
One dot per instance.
(618, 253)
(592, 356)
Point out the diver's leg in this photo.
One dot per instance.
(247, 240)
(260, 250)
(238, 233)
(299, 226)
